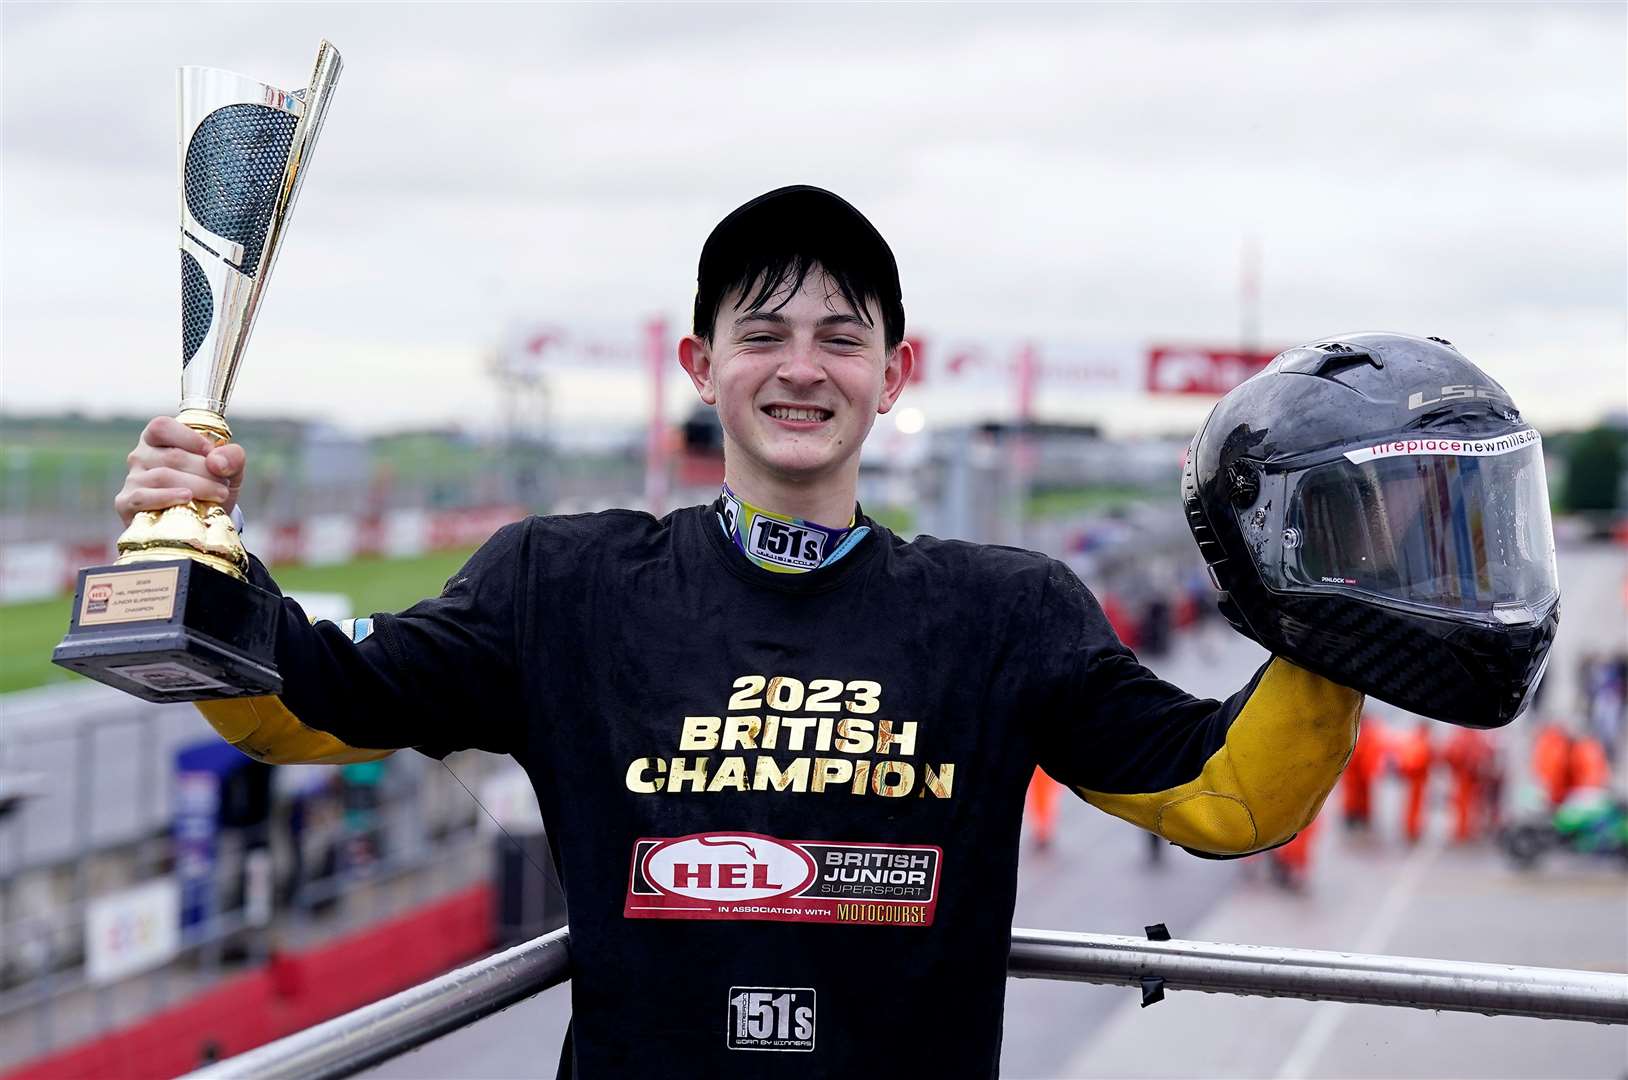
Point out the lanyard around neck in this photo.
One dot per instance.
(782, 543)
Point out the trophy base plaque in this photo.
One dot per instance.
(172, 630)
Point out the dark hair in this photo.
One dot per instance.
(770, 245)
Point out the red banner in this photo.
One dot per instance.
(1185, 369)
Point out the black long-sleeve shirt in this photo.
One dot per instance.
(786, 808)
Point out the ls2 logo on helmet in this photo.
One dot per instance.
(1418, 400)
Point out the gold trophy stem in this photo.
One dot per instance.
(200, 531)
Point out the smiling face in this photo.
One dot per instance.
(798, 382)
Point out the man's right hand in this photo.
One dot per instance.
(173, 464)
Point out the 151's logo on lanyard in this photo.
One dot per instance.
(786, 544)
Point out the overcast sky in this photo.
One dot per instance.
(1076, 173)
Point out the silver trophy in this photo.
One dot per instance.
(243, 153)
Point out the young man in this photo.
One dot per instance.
(781, 752)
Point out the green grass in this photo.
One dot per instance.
(28, 632)
(1065, 501)
(431, 454)
(377, 584)
(898, 519)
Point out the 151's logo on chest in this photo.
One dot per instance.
(771, 1018)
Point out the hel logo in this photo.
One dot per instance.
(96, 600)
(727, 866)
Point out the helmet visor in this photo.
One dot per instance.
(1448, 523)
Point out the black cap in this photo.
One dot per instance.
(790, 229)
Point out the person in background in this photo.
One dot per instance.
(1366, 764)
(245, 815)
(1586, 665)
(1155, 846)
(1040, 808)
(1414, 756)
(1605, 702)
(1291, 863)
(1206, 620)
(364, 839)
(1156, 620)
(1492, 783)
(1469, 758)
(1551, 762)
(1589, 767)
(1119, 619)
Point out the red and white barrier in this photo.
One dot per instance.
(329, 539)
(30, 571)
(404, 533)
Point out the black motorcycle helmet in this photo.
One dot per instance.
(1373, 508)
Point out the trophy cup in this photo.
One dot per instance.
(175, 617)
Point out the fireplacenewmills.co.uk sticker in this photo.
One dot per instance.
(739, 875)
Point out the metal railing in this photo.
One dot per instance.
(378, 1032)
(348, 1044)
(1317, 975)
